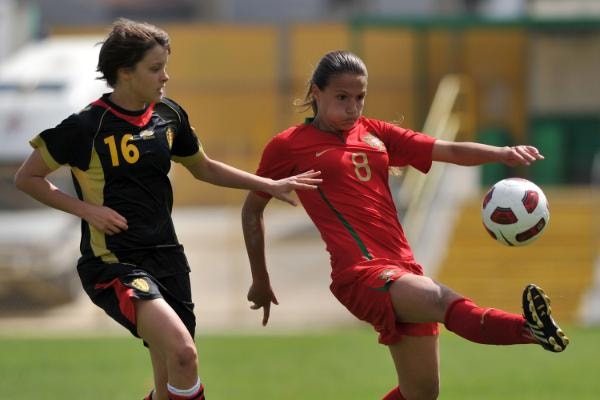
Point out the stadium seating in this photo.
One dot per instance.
(561, 261)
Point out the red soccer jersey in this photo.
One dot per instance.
(353, 208)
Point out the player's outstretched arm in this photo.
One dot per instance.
(219, 173)
(260, 293)
(472, 153)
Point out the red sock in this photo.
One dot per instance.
(394, 394)
(485, 325)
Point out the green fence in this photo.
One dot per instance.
(569, 144)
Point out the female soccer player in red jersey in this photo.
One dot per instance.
(374, 274)
(119, 149)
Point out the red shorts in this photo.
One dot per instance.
(363, 290)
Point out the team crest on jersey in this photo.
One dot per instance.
(387, 275)
(170, 136)
(373, 141)
(141, 284)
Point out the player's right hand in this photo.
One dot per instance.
(105, 219)
(261, 296)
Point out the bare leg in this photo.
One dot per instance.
(159, 367)
(419, 298)
(417, 364)
(169, 340)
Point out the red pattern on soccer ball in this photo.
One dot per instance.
(488, 197)
(531, 232)
(530, 200)
(503, 216)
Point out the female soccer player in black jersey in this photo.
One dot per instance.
(119, 149)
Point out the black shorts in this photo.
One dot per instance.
(114, 286)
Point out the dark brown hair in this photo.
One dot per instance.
(334, 63)
(126, 45)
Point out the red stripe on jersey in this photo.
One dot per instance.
(124, 296)
(137, 120)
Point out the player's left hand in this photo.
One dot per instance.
(282, 189)
(521, 155)
(261, 295)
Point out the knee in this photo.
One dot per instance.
(429, 391)
(185, 356)
(447, 298)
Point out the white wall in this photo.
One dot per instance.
(564, 8)
(6, 17)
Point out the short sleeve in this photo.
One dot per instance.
(276, 162)
(186, 145)
(64, 144)
(404, 146)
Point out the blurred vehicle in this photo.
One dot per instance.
(40, 84)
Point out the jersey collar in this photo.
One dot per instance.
(137, 118)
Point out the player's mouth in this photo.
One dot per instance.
(349, 122)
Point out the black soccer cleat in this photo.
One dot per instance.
(543, 328)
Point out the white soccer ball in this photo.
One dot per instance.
(515, 211)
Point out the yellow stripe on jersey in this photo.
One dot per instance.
(188, 160)
(92, 183)
(38, 143)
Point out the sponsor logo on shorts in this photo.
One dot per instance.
(141, 284)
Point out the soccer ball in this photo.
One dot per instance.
(515, 211)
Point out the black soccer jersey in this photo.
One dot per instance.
(121, 159)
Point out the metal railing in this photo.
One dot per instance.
(451, 115)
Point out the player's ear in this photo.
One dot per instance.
(124, 74)
(314, 91)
